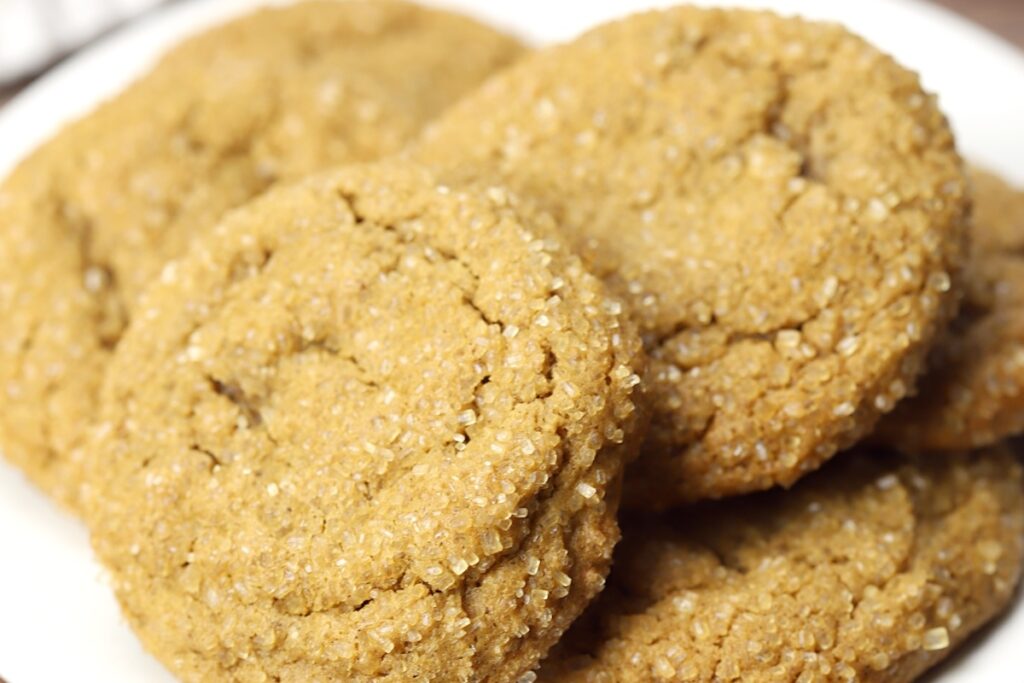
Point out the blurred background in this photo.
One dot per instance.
(36, 34)
(1004, 17)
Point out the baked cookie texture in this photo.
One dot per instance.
(780, 205)
(369, 428)
(91, 216)
(872, 570)
(973, 394)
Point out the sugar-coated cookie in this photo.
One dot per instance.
(779, 203)
(90, 217)
(973, 393)
(872, 570)
(370, 428)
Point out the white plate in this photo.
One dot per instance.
(58, 621)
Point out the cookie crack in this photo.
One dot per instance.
(234, 393)
(450, 256)
(469, 297)
(469, 301)
(404, 580)
(365, 377)
(771, 125)
(214, 460)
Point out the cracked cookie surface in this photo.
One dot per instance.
(91, 216)
(369, 428)
(973, 394)
(780, 205)
(872, 569)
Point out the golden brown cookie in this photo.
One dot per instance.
(779, 203)
(973, 394)
(89, 218)
(369, 428)
(871, 570)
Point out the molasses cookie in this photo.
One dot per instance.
(872, 569)
(780, 205)
(973, 394)
(90, 217)
(368, 428)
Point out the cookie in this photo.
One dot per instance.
(780, 205)
(872, 569)
(369, 428)
(974, 394)
(91, 216)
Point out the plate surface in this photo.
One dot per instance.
(59, 621)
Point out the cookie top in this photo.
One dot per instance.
(974, 393)
(91, 216)
(779, 203)
(872, 569)
(367, 428)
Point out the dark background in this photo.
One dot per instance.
(1005, 17)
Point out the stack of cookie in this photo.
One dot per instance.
(347, 356)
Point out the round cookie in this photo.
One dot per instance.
(974, 394)
(91, 216)
(369, 428)
(779, 203)
(871, 570)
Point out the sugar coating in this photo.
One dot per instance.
(779, 204)
(871, 570)
(91, 216)
(973, 394)
(322, 457)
